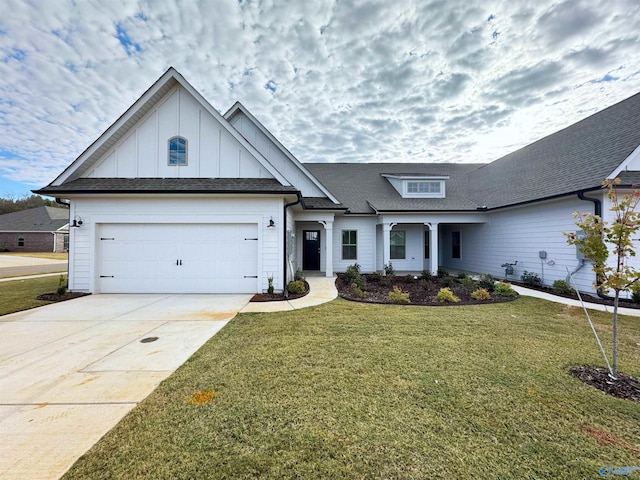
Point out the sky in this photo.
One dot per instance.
(333, 80)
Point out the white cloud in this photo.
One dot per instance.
(463, 80)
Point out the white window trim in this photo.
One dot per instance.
(407, 194)
(186, 152)
(342, 244)
(405, 244)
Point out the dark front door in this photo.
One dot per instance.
(311, 250)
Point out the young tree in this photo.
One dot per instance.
(602, 240)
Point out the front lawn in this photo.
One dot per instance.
(17, 295)
(349, 390)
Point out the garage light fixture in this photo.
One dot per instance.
(77, 221)
(272, 224)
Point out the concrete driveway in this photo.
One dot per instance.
(70, 371)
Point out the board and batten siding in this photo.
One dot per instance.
(275, 156)
(520, 233)
(173, 210)
(212, 152)
(366, 246)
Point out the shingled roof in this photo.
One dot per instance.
(168, 185)
(577, 158)
(39, 219)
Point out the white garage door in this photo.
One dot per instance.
(177, 258)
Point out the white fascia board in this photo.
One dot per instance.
(416, 177)
(170, 74)
(633, 157)
(239, 107)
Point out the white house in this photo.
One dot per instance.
(176, 198)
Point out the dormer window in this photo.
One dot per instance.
(177, 151)
(416, 185)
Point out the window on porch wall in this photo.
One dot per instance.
(427, 246)
(456, 245)
(349, 245)
(398, 244)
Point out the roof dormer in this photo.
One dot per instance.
(417, 186)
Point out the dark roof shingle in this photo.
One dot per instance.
(39, 219)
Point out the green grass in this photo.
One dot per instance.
(18, 295)
(49, 255)
(348, 390)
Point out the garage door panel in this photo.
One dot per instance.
(211, 258)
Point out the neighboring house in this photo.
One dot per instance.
(175, 197)
(40, 229)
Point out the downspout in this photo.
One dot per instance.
(285, 286)
(597, 210)
(59, 201)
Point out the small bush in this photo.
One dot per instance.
(461, 275)
(385, 281)
(355, 290)
(297, 286)
(447, 281)
(409, 278)
(481, 294)
(445, 295)
(468, 284)
(353, 275)
(375, 277)
(442, 272)
(426, 284)
(426, 274)
(635, 293)
(530, 278)
(389, 270)
(62, 286)
(562, 287)
(398, 296)
(298, 275)
(503, 289)
(270, 286)
(487, 282)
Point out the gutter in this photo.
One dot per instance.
(597, 210)
(285, 286)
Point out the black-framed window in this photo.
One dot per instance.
(177, 151)
(398, 244)
(65, 243)
(456, 245)
(21, 241)
(349, 244)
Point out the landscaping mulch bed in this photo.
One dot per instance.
(54, 297)
(421, 291)
(279, 297)
(625, 387)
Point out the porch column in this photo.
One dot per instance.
(433, 247)
(386, 243)
(328, 248)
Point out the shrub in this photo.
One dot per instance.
(355, 290)
(461, 275)
(353, 275)
(389, 270)
(445, 295)
(447, 281)
(426, 274)
(468, 284)
(298, 275)
(487, 282)
(62, 286)
(270, 287)
(481, 294)
(385, 281)
(409, 278)
(442, 272)
(297, 286)
(503, 289)
(426, 284)
(398, 296)
(635, 293)
(530, 278)
(562, 287)
(375, 277)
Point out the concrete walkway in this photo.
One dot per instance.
(321, 290)
(15, 265)
(574, 303)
